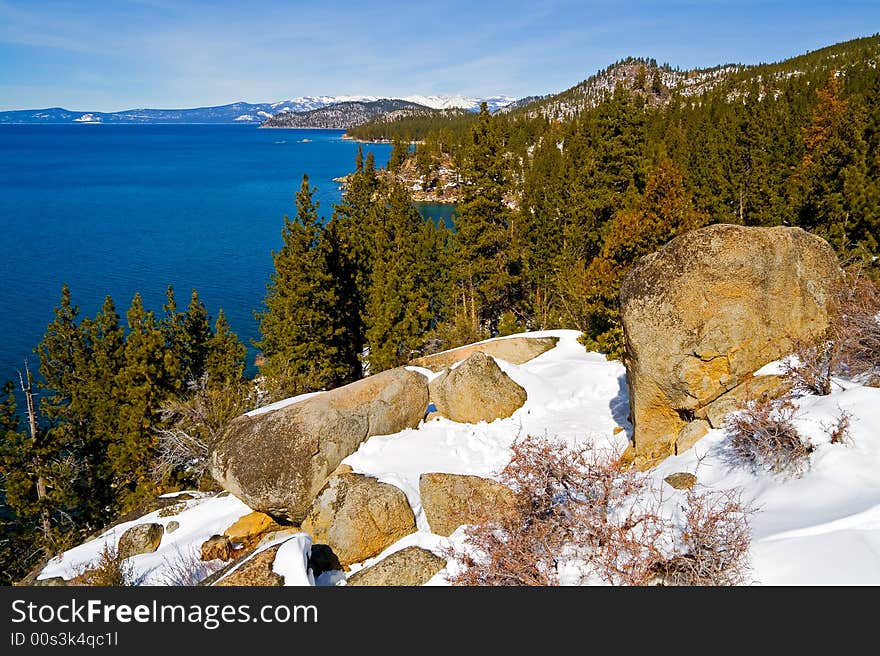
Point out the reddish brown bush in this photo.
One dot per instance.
(839, 430)
(589, 508)
(109, 570)
(714, 542)
(763, 436)
(851, 346)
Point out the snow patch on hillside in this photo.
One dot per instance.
(822, 528)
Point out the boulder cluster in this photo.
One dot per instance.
(286, 464)
(700, 317)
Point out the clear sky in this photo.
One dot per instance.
(122, 54)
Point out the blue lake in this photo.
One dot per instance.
(117, 209)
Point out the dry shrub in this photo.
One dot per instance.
(173, 509)
(811, 371)
(763, 436)
(186, 568)
(582, 506)
(856, 328)
(191, 424)
(109, 570)
(839, 430)
(714, 541)
(851, 346)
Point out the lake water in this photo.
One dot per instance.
(117, 209)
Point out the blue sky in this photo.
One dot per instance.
(121, 54)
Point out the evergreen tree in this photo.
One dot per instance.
(298, 325)
(402, 300)
(196, 336)
(224, 362)
(399, 153)
(488, 268)
(18, 537)
(102, 402)
(144, 385)
(832, 177)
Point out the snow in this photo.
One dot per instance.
(282, 404)
(202, 518)
(292, 560)
(572, 394)
(435, 101)
(821, 528)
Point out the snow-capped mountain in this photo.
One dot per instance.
(436, 101)
(240, 112)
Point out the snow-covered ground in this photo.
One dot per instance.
(822, 528)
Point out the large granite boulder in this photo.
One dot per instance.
(476, 390)
(140, 539)
(516, 350)
(256, 570)
(358, 517)
(407, 567)
(707, 310)
(450, 500)
(277, 461)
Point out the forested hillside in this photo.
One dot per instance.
(613, 168)
(123, 411)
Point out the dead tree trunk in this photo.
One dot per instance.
(45, 518)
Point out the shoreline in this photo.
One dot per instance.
(387, 142)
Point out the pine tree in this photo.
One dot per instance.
(666, 210)
(489, 271)
(833, 174)
(144, 385)
(402, 300)
(18, 535)
(224, 362)
(172, 325)
(196, 335)
(102, 404)
(298, 325)
(399, 153)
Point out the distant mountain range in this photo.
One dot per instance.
(240, 112)
(345, 115)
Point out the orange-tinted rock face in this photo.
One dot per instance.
(707, 310)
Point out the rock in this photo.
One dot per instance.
(140, 539)
(52, 581)
(172, 526)
(322, 559)
(277, 461)
(681, 480)
(707, 310)
(450, 500)
(690, 435)
(476, 390)
(516, 350)
(255, 571)
(173, 509)
(358, 517)
(754, 388)
(274, 535)
(250, 528)
(217, 547)
(409, 566)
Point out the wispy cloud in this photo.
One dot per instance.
(124, 53)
